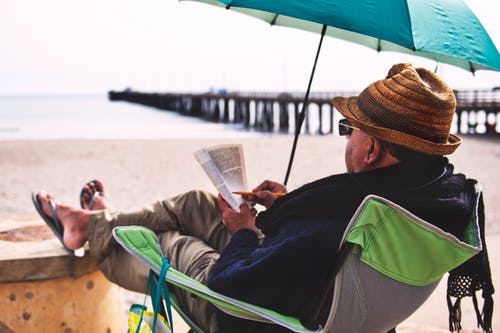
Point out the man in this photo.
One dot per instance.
(397, 132)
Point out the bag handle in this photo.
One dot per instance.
(159, 290)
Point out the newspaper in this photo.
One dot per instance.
(225, 166)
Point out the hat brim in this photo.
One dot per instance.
(348, 107)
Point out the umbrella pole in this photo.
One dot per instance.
(302, 114)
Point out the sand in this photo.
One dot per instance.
(136, 172)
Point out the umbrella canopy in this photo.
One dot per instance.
(446, 31)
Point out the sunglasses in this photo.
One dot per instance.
(345, 127)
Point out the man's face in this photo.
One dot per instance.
(356, 150)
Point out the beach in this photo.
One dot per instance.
(137, 172)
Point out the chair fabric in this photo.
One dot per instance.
(384, 264)
(362, 288)
(387, 238)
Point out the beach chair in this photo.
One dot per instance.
(392, 262)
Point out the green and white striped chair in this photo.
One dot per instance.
(394, 262)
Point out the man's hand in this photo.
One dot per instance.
(263, 193)
(235, 221)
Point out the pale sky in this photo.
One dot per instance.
(75, 46)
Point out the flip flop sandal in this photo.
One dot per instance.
(94, 197)
(53, 222)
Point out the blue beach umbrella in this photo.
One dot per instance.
(446, 31)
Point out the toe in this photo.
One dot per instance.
(99, 185)
(86, 197)
(44, 198)
(87, 193)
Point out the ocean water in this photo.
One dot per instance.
(95, 117)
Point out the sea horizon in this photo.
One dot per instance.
(94, 116)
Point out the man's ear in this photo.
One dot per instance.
(374, 152)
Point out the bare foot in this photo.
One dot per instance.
(75, 221)
(93, 196)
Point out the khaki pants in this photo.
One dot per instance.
(191, 235)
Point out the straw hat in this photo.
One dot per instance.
(411, 107)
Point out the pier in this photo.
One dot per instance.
(478, 111)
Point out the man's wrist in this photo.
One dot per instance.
(246, 228)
